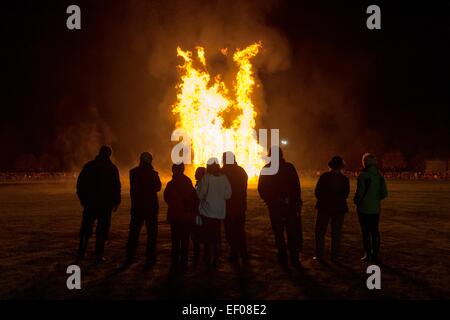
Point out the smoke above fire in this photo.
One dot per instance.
(315, 100)
(312, 100)
(226, 39)
(123, 81)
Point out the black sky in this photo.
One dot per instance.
(66, 91)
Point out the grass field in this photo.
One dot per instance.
(39, 235)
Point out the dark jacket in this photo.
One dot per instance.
(370, 190)
(98, 184)
(282, 187)
(332, 191)
(144, 186)
(238, 180)
(181, 199)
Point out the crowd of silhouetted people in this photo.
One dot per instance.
(197, 211)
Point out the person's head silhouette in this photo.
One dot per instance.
(336, 163)
(178, 168)
(105, 152)
(273, 150)
(146, 158)
(368, 160)
(228, 158)
(213, 167)
(199, 173)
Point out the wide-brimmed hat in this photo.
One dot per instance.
(336, 163)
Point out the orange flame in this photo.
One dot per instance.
(201, 102)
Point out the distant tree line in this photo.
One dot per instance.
(394, 161)
(44, 163)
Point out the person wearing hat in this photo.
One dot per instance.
(331, 191)
(144, 186)
(370, 190)
(98, 188)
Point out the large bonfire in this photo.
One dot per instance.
(202, 101)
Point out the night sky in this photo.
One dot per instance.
(337, 87)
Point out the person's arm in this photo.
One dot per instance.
(132, 189)
(192, 199)
(262, 187)
(227, 188)
(346, 190)
(167, 192)
(245, 178)
(318, 189)
(202, 187)
(158, 184)
(81, 186)
(360, 190)
(244, 196)
(383, 191)
(117, 189)
(296, 187)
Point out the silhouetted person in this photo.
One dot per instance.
(236, 207)
(371, 189)
(331, 191)
(213, 191)
(197, 232)
(181, 199)
(144, 186)
(98, 188)
(282, 194)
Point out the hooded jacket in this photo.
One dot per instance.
(371, 189)
(213, 191)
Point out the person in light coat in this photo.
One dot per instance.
(213, 190)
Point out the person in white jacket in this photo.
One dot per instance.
(213, 190)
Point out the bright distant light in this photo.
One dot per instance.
(284, 142)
